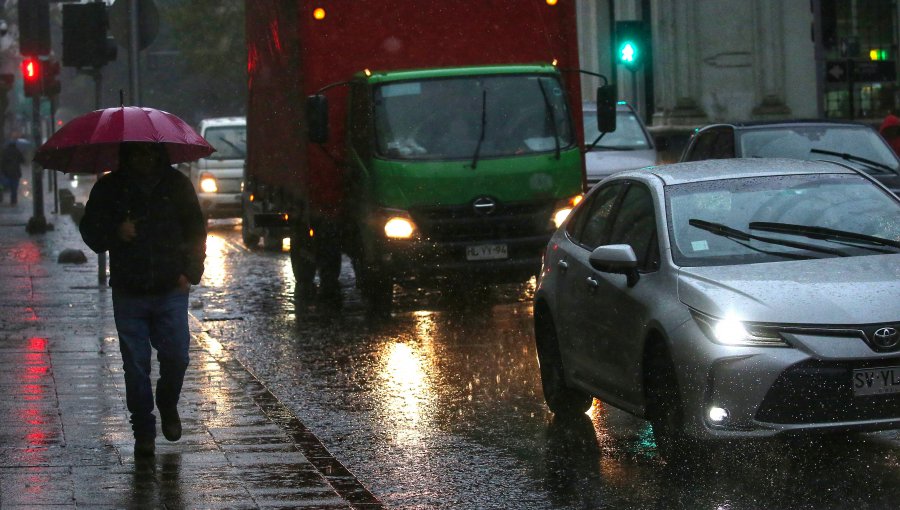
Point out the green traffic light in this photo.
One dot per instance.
(628, 53)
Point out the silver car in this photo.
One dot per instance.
(629, 147)
(727, 299)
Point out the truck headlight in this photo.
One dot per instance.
(397, 227)
(732, 331)
(208, 184)
(563, 208)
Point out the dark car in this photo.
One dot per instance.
(856, 144)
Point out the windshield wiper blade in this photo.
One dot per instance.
(827, 234)
(552, 115)
(850, 157)
(733, 233)
(483, 126)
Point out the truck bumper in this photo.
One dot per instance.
(423, 260)
(220, 205)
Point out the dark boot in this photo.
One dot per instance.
(144, 446)
(170, 423)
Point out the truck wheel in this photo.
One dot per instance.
(560, 398)
(272, 242)
(376, 287)
(251, 240)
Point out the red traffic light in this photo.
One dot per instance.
(31, 73)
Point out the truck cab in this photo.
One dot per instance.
(217, 178)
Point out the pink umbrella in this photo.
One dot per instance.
(90, 143)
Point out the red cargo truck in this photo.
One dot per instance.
(342, 97)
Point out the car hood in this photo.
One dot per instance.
(848, 290)
(602, 163)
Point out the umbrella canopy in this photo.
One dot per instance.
(90, 143)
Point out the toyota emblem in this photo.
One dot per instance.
(484, 206)
(886, 338)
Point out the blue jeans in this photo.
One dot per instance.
(161, 322)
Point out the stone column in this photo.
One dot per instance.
(768, 59)
(676, 62)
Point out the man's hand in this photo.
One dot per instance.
(126, 231)
(184, 285)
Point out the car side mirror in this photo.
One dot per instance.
(616, 258)
(606, 108)
(317, 118)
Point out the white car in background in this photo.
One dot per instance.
(629, 147)
(217, 178)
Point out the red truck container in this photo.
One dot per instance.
(302, 48)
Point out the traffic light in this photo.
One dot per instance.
(34, 27)
(85, 39)
(631, 43)
(31, 74)
(50, 78)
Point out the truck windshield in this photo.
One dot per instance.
(441, 119)
(230, 142)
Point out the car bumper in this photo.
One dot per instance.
(220, 205)
(780, 390)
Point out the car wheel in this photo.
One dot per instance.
(665, 409)
(560, 398)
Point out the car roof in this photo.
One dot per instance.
(761, 124)
(717, 169)
(223, 121)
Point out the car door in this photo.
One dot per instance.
(614, 314)
(584, 232)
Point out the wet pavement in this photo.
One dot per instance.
(65, 440)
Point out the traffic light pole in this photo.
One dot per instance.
(38, 223)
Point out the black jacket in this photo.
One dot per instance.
(171, 231)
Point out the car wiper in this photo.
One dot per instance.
(552, 115)
(860, 159)
(735, 234)
(233, 146)
(483, 126)
(828, 234)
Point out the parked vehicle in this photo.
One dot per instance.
(727, 299)
(436, 153)
(630, 146)
(217, 178)
(856, 144)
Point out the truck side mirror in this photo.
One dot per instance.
(317, 118)
(606, 108)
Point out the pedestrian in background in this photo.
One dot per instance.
(11, 161)
(890, 131)
(147, 215)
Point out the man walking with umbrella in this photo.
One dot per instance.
(146, 214)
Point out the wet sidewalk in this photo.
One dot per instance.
(65, 440)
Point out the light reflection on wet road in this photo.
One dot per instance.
(441, 407)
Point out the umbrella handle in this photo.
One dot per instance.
(122, 97)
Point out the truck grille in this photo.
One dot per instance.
(821, 392)
(463, 223)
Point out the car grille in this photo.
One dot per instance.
(462, 223)
(822, 392)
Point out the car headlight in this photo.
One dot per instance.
(564, 207)
(208, 184)
(732, 331)
(398, 227)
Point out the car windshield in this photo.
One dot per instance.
(770, 219)
(856, 144)
(629, 134)
(456, 118)
(230, 141)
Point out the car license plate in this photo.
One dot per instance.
(486, 252)
(876, 381)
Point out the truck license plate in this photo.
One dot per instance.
(876, 381)
(489, 252)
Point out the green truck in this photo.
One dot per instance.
(426, 152)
